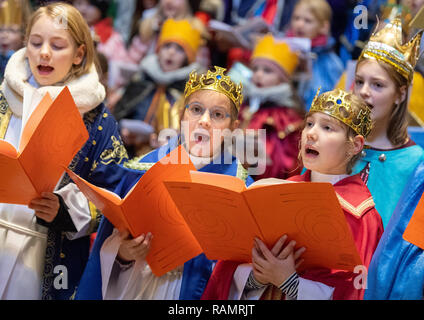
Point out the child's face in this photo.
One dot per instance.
(304, 24)
(324, 145)
(174, 8)
(266, 74)
(171, 57)
(11, 38)
(51, 51)
(207, 115)
(91, 13)
(374, 85)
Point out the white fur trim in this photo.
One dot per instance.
(150, 65)
(86, 90)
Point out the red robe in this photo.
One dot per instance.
(283, 129)
(367, 228)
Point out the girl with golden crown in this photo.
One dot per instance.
(332, 138)
(117, 267)
(55, 229)
(272, 104)
(397, 269)
(382, 78)
(159, 84)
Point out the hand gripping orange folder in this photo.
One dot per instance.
(147, 207)
(50, 139)
(225, 217)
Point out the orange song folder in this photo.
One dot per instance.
(147, 207)
(414, 232)
(225, 217)
(50, 139)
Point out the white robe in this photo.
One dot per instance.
(136, 281)
(22, 241)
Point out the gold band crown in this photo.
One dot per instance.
(386, 45)
(216, 81)
(338, 104)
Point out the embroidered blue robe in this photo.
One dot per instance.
(196, 271)
(97, 162)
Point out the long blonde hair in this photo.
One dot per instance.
(397, 129)
(71, 19)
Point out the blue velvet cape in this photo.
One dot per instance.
(396, 271)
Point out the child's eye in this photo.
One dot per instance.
(378, 85)
(309, 124)
(327, 128)
(358, 82)
(36, 44)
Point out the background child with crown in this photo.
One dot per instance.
(332, 138)
(151, 95)
(117, 267)
(311, 19)
(13, 18)
(272, 104)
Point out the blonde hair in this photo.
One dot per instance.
(320, 9)
(75, 24)
(397, 129)
(357, 104)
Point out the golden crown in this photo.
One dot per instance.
(216, 81)
(338, 104)
(277, 51)
(386, 45)
(183, 33)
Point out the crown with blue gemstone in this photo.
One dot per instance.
(216, 81)
(338, 104)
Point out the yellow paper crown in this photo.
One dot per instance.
(11, 12)
(181, 32)
(216, 81)
(276, 51)
(338, 104)
(386, 45)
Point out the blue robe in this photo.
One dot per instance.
(196, 271)
(397, 268)
(387, 179)
(97, 162)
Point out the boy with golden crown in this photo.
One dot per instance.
(117, 268)
(397, 268)
(151, 95)
(13, 16)
(272, 104)
(332, 139)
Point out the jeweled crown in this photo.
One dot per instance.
(339, 104)
(216, 81)
(386, 45)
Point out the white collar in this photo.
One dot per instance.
(86, 90)
(331, 178)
